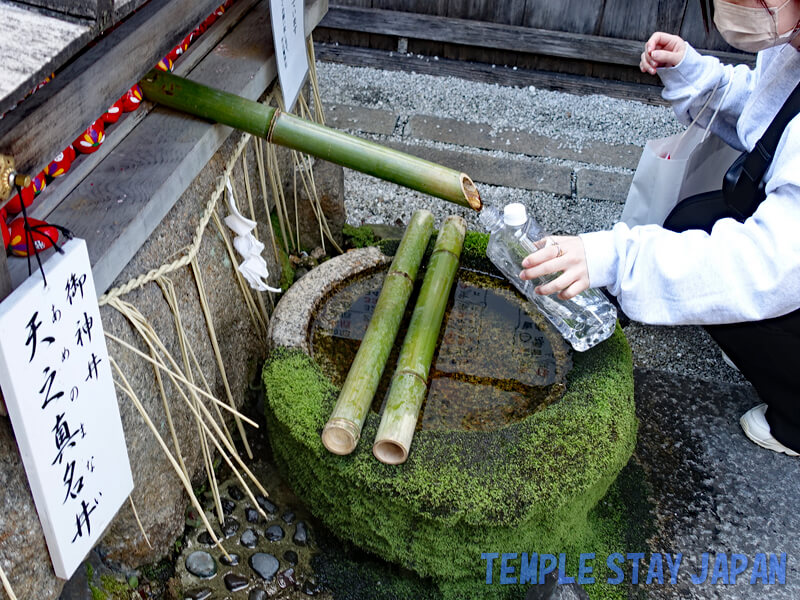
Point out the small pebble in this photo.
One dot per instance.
(265, 565)
(257, 595)
(203, 594)
(235, 582)
(234, 560)
(205, 538)
(252, 515)
(267, 506)
(300, 536)
(274, 533)
(288, 517)
(228, 505)
(230, 527)
(290, 556)
(235, 492)
(249, 539)
(201, 564)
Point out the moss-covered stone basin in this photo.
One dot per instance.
(523, 487)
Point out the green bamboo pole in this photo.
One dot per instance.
(311, 138)
(410, 381)
(343, 429)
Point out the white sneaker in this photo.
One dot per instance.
(755, 426)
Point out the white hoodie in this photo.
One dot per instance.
(742, 271)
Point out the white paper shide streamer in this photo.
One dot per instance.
(254, 267)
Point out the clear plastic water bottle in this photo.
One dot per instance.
(585, 320)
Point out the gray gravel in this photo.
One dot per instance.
(567, 117)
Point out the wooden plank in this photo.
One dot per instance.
(118, 206)
(509, 12)
(95, 10)
(628, 20)
(574, 84)
(60, 188)
(486, 35)
(576, 16)
(670, 15)
(33, 46)
(50, 119)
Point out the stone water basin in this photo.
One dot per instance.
(518, 438)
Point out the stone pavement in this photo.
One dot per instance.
(712, 490)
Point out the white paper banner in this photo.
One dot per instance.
(288, 33)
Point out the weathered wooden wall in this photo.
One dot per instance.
(626, 19)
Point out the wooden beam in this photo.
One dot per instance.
(127, 195)
(491, 35)
(33, 46)
(574, 84)
(84, 164)
(95, 10)
(49, 120)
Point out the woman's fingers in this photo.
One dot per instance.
(563, 256)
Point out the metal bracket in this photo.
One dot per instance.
(9, 178)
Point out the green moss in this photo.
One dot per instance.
(529, 486)
(358, 237)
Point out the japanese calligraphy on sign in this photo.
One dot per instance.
(56, 379)
(288, 33)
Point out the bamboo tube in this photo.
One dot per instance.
(409, 384)
(311, 138)
(342, 431)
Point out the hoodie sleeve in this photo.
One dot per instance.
(689, 84)
(739, 272)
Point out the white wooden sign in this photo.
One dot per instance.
(56, 379)
(288, 33)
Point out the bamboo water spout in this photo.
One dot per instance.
(317, 140)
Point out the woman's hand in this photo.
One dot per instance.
(559, 253)
(662, 50)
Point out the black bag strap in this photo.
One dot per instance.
(747, 192)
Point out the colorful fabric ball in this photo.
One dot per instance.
(14, 205)
(113, 113)
(90, 140)
(165, 64)
(39, 182)
(61, 163)
(42, 237)
(132, 99)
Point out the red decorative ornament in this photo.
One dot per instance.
(187, 41)
(6, 234)
(42, 237)
(175, 53)
(132, 99)
(165, 64)
(61, 163)
(14, 206)
(39, 182)
(91, 139)
(113, 113)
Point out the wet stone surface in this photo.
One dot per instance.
(235, 582)
(228, 505)
(274, 533)
(251, 514)
(265, 565)
(268, 562)
(230, 527)
(201, 564)
(249, 538)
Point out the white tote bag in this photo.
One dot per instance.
(674, 168)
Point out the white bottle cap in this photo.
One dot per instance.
(514, 214)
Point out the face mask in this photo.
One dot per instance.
(749, 28)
